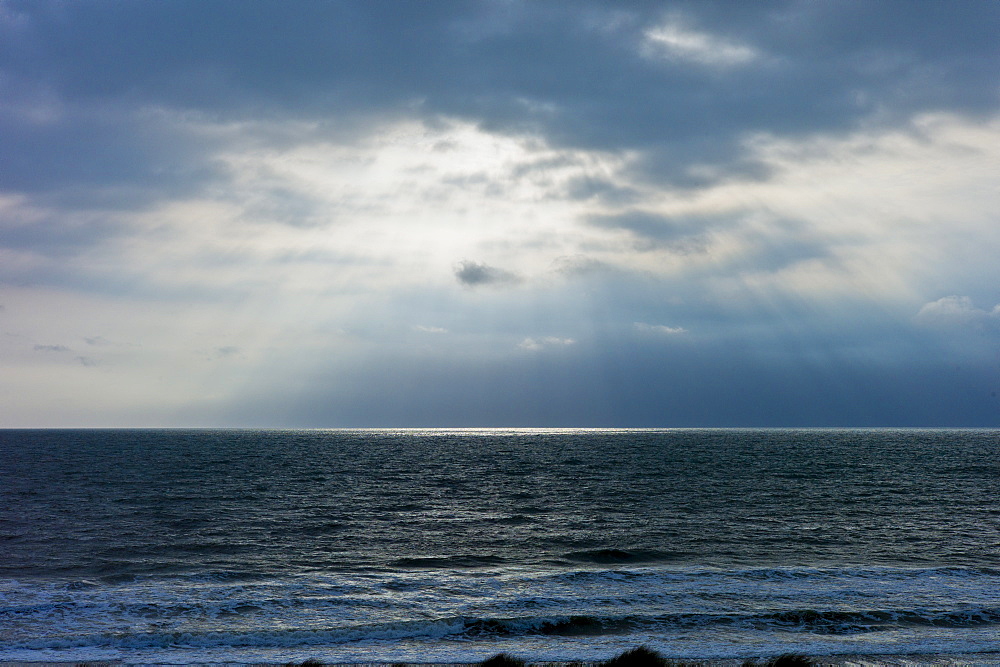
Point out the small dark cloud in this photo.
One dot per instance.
(51, 348)
(473, 274)
(88, 361)
(101, 341)
(227, 351)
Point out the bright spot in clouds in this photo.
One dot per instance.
(673, 40)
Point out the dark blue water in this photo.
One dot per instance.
(358, 546)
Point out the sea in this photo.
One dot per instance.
(451, 545)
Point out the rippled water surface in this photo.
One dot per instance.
(214, 545)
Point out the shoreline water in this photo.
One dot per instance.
(991, 659)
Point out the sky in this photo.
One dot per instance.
(552, 213)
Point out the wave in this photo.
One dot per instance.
(479, 597)
(440, 562)
(839, 622)
(259, 638)
(802, 620)
(613, 556)
(463, 628)
(641, 570)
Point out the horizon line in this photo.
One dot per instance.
(497, 428)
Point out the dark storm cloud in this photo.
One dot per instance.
(227, 351)
(473, 274)
(582, 74)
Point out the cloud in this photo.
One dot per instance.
(58, 235)
(646, 224)
(100, 341)
(432, 330)
(123, 116)
(660, 329)
(579, 265)
(473, 274)
(589, 187)
(652, 231)
(673, 40)
(958, 312)
(534, 344)
(51, 348)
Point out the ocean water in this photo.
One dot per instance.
(208, 546)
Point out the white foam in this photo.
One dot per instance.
(694, 612)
